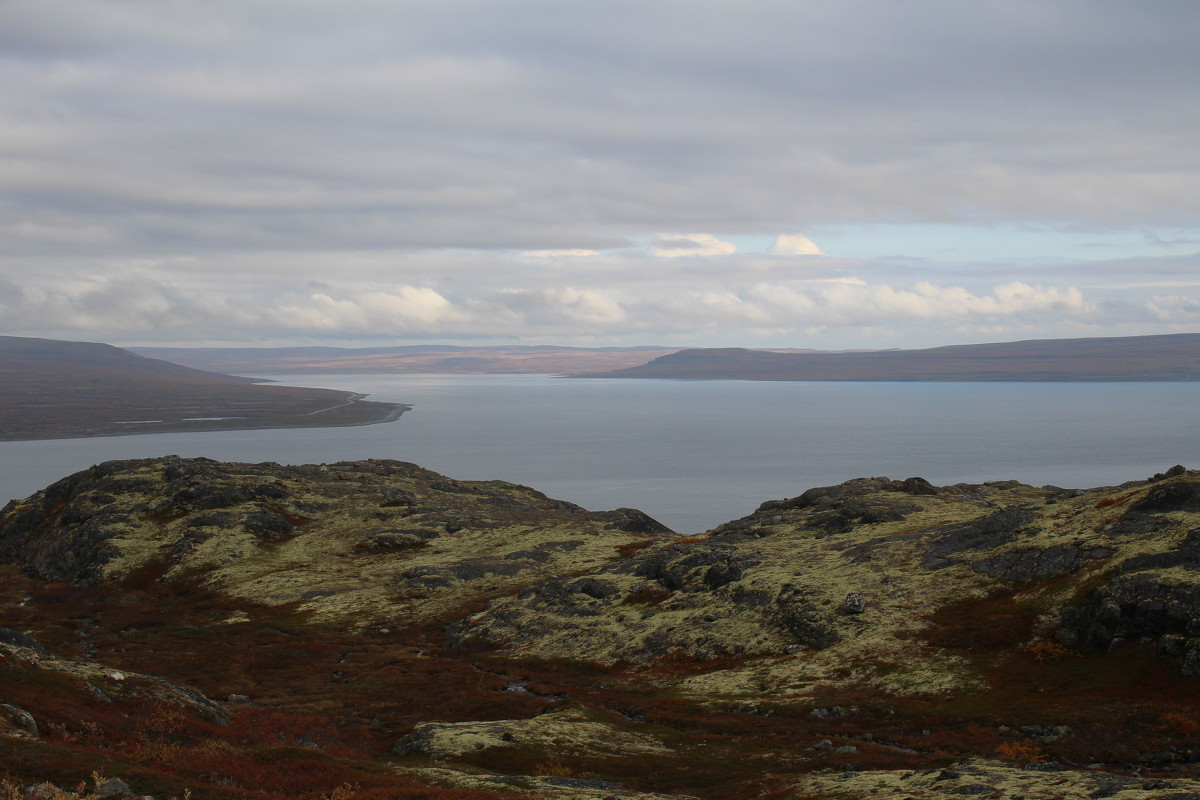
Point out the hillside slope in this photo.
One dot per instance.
(384, 631)
(1172, 357)
(51, 389)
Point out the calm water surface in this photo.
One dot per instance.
(695, 454)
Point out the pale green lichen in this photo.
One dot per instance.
(1003, 780)
(880, 647)
(323, 565)
(570, 731)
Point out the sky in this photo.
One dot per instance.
(850, 174)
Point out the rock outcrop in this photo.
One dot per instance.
(397, 630)
(281, 534)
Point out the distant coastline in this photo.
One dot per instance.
(1170, 357)
(53, 389)
(356, 413)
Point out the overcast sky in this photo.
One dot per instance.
(859, 173)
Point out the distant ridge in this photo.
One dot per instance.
(1170, 357)
(421, 358)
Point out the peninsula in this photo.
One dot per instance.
(56, 389)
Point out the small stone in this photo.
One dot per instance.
(113, 788)
(846, 750)
(854, 603)
(238, 698)
(19, 718)
(41, 791)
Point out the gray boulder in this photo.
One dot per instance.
(19, 718)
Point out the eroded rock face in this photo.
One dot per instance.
(1143, 606)
(1033, 563)
(986, 533)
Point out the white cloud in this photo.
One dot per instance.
(793, 244)
(552, 307)
(1175, 309)
(675, 245)
(558, 253)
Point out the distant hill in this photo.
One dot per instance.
(53, 389)
(504, 359)
(1172, 357)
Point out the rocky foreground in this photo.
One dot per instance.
(373, 629)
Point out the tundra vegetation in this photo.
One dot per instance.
(371, 629)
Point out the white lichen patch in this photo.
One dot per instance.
(564, 731)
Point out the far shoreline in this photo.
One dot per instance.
(354, 409)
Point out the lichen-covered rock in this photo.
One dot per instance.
(327, 537)
(985, 778)
(565, 731)
(18, 639)
(1028, 564)
(986, 533)
(1143, 605)
(803, 647)
(268, 525)
(785, 581)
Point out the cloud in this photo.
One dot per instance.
(589, 309)
(454, 170)
(576, 253)
(675, 245)
(144, 305)
(1175, 309)
(793, 244)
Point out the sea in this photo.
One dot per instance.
(694, 454)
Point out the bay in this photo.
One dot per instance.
(694, 454)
